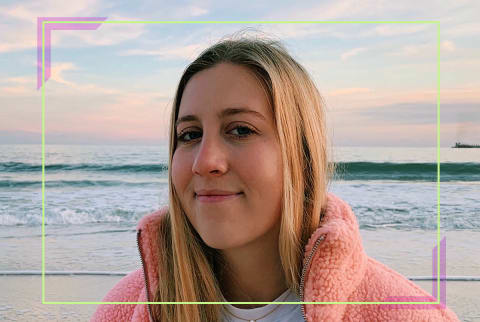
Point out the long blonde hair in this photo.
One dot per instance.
(189, 269)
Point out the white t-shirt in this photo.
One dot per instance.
(284, 312)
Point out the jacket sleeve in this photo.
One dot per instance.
(127, 289)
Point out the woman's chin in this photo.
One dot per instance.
(220, 241)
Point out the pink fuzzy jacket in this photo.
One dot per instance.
(336, 269)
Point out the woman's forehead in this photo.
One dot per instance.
(223, 113)
(224, 90)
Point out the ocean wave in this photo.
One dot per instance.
(70, 216)
(74, 183)
(467, 171)
(125, 168)
(406, 217)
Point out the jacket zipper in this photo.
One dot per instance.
(145, 277)
(302, 280)
(304, 270)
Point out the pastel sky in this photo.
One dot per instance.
(115, 85)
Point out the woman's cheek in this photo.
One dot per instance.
(180, 172)
(266, 161)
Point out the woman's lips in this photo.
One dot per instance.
(217, 198)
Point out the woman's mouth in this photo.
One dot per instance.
(217, 198)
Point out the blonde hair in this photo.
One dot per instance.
(189, 269)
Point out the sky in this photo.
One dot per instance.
(115, 85)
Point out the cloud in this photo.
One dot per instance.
(190, 46)
(18, 80)
(19, 27)
(195, 11)
(354, 52)
(353, 99)
(107, 34)
(17, 37)
(299, 31)
(187, 52)
(423, 113)
(465, 29)
(342, 31)
(349, 91)
(204, 36)
(13, 90)
(326, 10)
(125, 116)
(57, 72)
(447, 45)
(416, 50)
(16, 86)
(173, 10)
(26, 85)
(30, 10)
(425, 49)
(466, 93)
(21, 33)
(87, 108)
(407, 124)
(398, 29)
(19, 21)
(384, 135)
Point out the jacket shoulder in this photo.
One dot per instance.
(128, 289)
(383, 284)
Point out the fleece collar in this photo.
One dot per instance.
(338, 265)
(335, 271)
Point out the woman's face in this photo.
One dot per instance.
(226, 142)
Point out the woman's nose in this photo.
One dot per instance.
(210, 157)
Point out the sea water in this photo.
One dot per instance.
(95, 195)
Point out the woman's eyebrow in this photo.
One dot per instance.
(224, 113)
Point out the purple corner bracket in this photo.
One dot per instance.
(443, 271)
(443, 286)
(58, 26)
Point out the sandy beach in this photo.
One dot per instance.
(407, 252)
(21, 297)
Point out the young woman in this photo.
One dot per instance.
(249, 216)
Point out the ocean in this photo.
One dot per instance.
(95, 195)
(386, 187)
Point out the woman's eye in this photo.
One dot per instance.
(242, 132)
(184, 137)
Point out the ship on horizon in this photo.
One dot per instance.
(459, 145)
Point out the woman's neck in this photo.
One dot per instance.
(254, 272)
